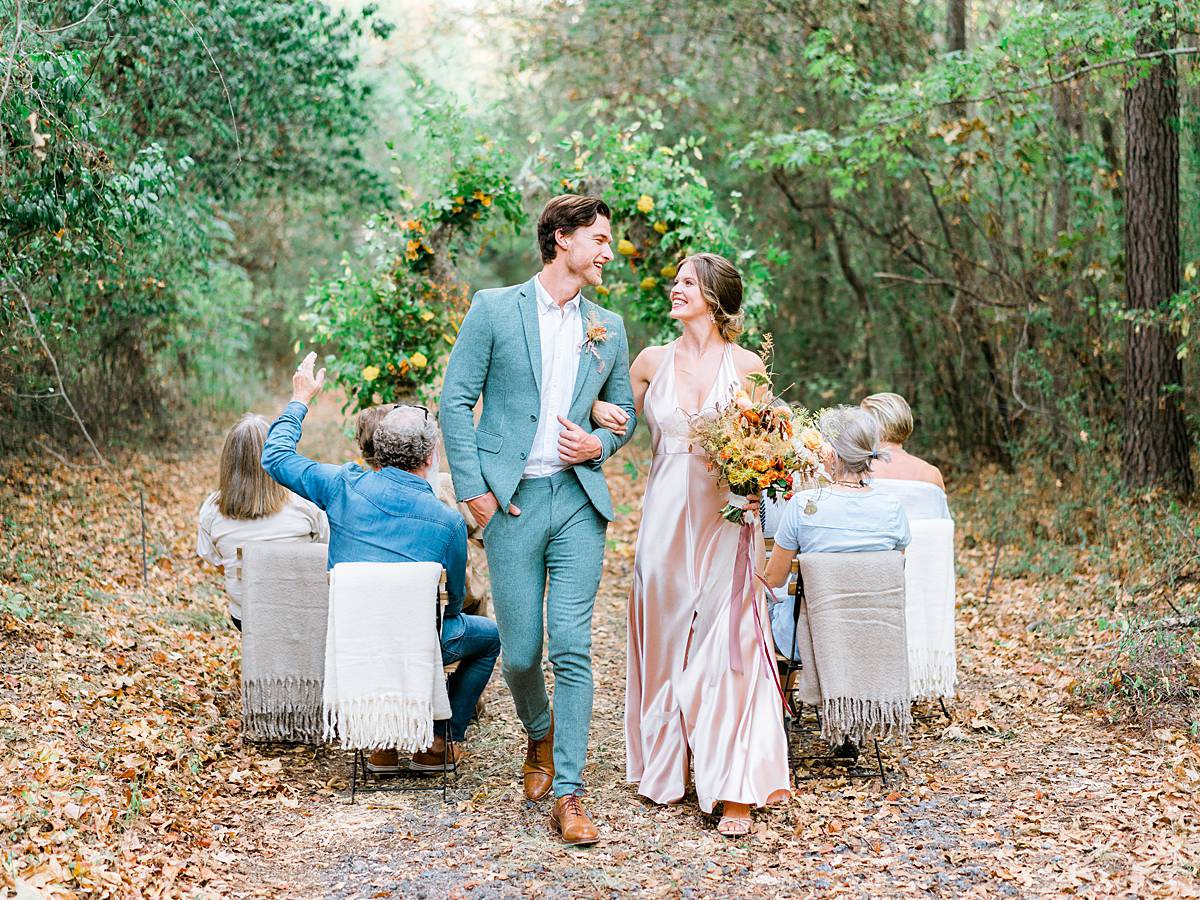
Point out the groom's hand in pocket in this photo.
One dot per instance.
(576, 445)
(485, 506)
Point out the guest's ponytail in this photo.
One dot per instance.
(854, 435)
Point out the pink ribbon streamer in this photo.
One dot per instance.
(744, 577)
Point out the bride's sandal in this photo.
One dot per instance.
(734, 826)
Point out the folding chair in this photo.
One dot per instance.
(790, 667)
(363, 780)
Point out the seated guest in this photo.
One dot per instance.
(391, 515)
(249, 506)
(477, 590)
(848, 516)
(895, 420)
(929, 575)
(364, 431)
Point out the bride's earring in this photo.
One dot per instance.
(712, 317)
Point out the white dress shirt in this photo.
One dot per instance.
(561, 331)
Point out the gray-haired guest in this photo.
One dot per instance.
(846, 517)
(391, 514)
(248, 506)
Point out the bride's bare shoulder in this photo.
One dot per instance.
(649, 359)
(747, 361)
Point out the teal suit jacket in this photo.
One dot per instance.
(498, 354)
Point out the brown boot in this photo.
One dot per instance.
(436, 757)
(570, 821)
(538, 771)
(383, 762)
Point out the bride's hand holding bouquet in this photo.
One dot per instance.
(758, 445)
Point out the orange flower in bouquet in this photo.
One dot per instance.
(756, 444)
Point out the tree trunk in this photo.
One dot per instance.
(956, 40)
(956, 25)
(1155, 449)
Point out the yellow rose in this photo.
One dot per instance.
(649, 284)
(660, 227)
(811, 438)
(668, 271)
(645, 203)
(426, 316)
(601, 290)
(626, 247)
(418, 360)
(370, 373)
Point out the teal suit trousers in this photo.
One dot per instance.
(553, 549)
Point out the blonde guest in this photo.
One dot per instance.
(895, 419)
(929, 573)
(248, 506)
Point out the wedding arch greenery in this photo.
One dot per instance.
(389, 320)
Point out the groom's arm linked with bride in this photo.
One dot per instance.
(541, 354)
(498, 359)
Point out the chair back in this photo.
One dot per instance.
(851, 641)
(284, 619)
(929, 608)
(384, 684)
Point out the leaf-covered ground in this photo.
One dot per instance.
(122, 771)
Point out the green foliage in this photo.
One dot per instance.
(663, 210)
(952, 221)
(134, 136)
(393, 314)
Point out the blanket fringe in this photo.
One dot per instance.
(932, 673)
(862, 720)
(282, 709)
(381, 722)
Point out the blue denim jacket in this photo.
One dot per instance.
(384, 516)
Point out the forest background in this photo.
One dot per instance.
(990, 207)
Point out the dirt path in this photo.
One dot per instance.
(129, 697)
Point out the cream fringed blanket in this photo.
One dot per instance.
(851, 641)
(929, 587)
(283, 640)
(384, 683)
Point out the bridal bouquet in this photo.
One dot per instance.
(756, 444)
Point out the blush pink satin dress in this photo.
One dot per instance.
(682, 699)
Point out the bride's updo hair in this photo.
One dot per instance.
(721, 288)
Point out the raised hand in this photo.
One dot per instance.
(305, 385)
(610, 416)
(576, 445)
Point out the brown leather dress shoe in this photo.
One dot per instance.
(570, 821)
(538, 771)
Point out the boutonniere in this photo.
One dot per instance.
(596, 334)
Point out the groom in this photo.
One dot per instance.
(541, 353)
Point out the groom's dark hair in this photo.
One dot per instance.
(566, 212)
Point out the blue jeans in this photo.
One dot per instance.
(474, 643)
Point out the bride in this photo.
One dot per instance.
(683, 702)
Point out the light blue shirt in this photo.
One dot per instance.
(383, 516)
(842, 522)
